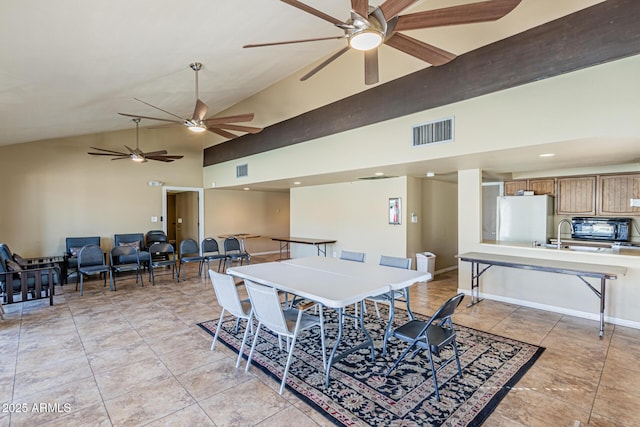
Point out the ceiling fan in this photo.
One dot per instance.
(198, 123)
(369, 27)
(136, 155)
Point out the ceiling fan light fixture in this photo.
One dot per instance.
(197, 128)
(137, 158)
(366, 39)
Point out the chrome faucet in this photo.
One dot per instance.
(562, 221)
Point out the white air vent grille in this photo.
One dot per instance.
(433, 132)
(242, 170)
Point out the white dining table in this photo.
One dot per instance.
(334, 283)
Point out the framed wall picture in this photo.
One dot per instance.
(395, 210)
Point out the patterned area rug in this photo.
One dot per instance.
(360, 395)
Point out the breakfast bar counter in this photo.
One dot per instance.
(578, 269)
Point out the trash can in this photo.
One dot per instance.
(426, 261)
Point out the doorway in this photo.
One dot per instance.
(183, 214)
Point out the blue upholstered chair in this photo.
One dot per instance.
(33, 282)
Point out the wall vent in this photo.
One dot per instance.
(242, 170)
(433, 132)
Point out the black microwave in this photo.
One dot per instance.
(593, 228)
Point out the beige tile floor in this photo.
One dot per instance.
(136, 357)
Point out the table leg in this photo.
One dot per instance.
(335, 346)
(387, 330)
(602, 291)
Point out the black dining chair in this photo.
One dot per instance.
(211, 252)
(189, 252)
(235, 252)
(91, 261)
(125, 259)
(162, 255)
(432, 335)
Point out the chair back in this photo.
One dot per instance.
(226, 293)
(121, 251)
(353, 256)
(5, 252)
(161, 248)
(210, 245)
(189, 246)
(447, 309)
(391, 261)
(265, 302)
(90, 255)
(74, 244)
(129, 239)
(155, 236)
(231, 244)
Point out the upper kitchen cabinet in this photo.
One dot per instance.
(615, 193)
(543, 186)
(576, 195)
(512, 187)
(538, 186)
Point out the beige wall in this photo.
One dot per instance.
(595, 102)
(54, 189)
(262, 213)
(354, 213)
(440, 225)
(550, 291)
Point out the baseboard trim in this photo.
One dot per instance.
(556, 309)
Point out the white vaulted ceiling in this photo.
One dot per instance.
(67, 67)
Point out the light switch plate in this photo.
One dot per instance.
(154, 219)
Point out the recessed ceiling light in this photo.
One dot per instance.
(379, 173)
(246, 189)
(547, 155)
(296, 183)
(431, 174)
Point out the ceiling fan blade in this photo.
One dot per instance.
(151, 118)
(108, 154)
(464, 14)
(392, 8)
(200, 111)
(371, 67)
(421, 50)
(132, 151)
(160, 159)
(223, 133)
(108, 151)
(230, 119)
(361, 7)
(324, 63)
(248, 129)
(293, 41)
(155, 153)
(314, 12)
(158, 108)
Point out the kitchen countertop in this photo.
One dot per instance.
(577, 246)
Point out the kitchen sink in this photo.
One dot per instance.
(578, 248)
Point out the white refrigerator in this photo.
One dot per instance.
(525, 219)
